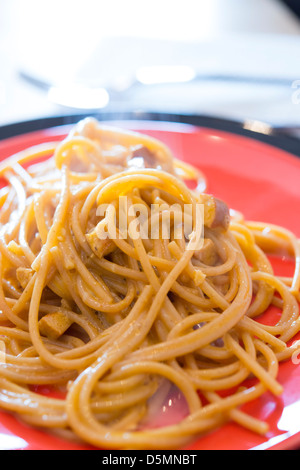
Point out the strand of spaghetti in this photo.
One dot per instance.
(119, 402)
(248, 324)
(210, 332)
(193, 297)
(238, 373)
(98, 287)
(38, 151)
(41, 275)
(253, 366)
(189, 172)
(62, 151)
(147, 177)
(259, 261)
(47, 420)
(93, 302)
(196, 274)
(168, 313)
(125, 137)
(288, 235)
(69, 279)
(242, 418)
(223, 268)
(288, 324)
(42, 218)
(122, 270)
(23, 174)
(131, 419)
(20, 203)
(8, 312)
(26, 223)
(78, 233)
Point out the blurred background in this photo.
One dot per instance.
(232, 59)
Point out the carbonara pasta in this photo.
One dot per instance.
(115, 305)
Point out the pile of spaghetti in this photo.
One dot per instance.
(116, 323)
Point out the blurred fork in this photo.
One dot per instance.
(80, 96)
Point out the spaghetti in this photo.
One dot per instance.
(116, 323)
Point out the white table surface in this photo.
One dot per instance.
(98, 41)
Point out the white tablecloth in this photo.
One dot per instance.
(254, 39)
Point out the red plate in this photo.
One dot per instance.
(256, 178)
